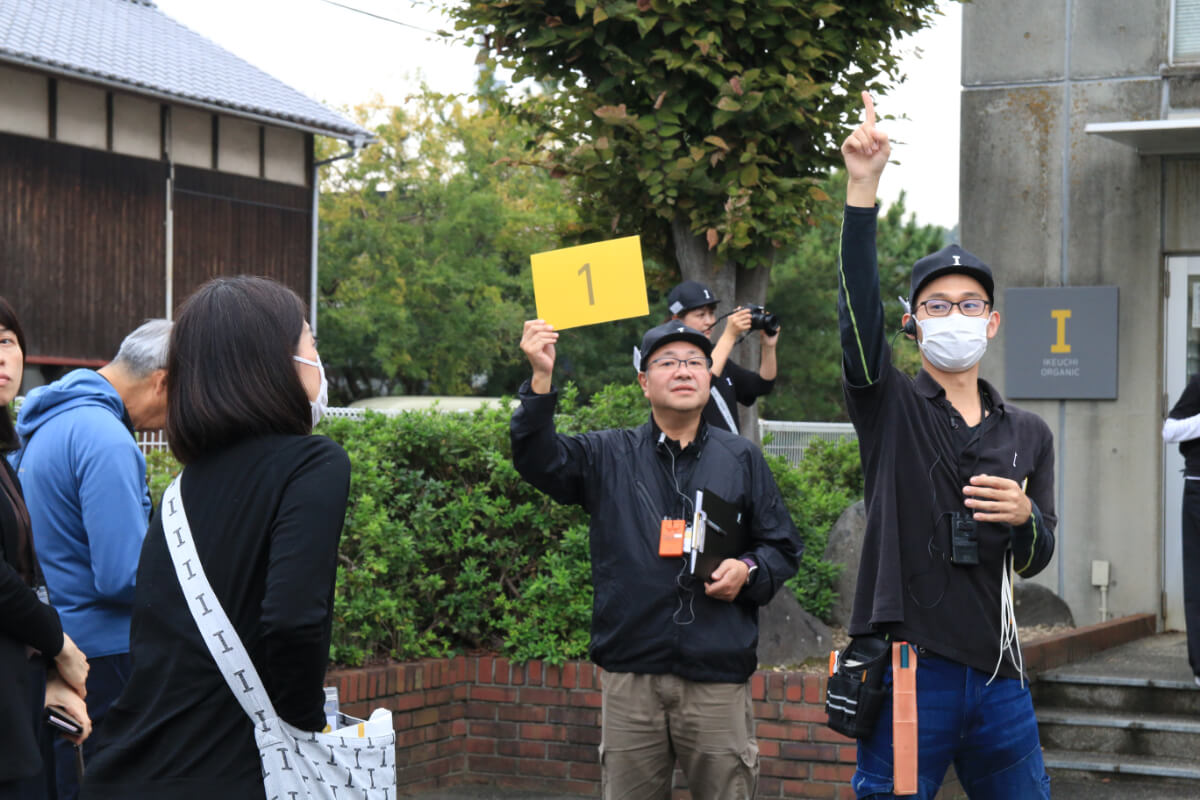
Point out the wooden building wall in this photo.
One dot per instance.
(233, 225)
(82, 240)
(81, 244)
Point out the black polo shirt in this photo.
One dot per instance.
(917, 455)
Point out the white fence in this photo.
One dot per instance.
(152, 440)
(791, 439)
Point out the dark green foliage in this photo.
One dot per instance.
(441, 535)
(425, 241)
(827, 481)
(161, 469)
(719, 115)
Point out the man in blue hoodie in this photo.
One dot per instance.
(84, 480)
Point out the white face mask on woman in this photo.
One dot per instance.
(319, 405)
(954, 343)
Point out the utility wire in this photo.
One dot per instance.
(385, 19)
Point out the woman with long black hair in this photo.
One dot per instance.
(39, 664)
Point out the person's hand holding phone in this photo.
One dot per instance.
(63, 707)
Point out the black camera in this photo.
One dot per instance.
(964, 540)
(763, 320)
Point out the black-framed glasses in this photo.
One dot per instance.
(693, 364)
(971, 307)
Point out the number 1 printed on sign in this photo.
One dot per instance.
(588, 269)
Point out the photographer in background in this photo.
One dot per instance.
(695, 305)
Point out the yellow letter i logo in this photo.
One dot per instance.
(1061, 315)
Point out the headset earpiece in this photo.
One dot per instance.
(909, 328)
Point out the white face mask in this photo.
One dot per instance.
(319, 405)
(954, 343)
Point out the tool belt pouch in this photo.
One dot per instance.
(855, 692)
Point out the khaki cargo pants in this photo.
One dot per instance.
(651, 720)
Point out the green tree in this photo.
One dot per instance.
(804, 291)
(425, 241)
(705, 127)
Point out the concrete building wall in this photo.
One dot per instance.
(1049, 205)
(1181, 201)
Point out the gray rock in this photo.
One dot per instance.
(788, 635)
(1036, 605)
(845, 548)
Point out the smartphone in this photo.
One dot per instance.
(58, 718)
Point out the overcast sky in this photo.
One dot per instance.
(342, 58)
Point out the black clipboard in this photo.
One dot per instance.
(717, 534)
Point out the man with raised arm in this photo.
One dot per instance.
(959, 493)
(677, 651)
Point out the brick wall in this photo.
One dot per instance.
(482, 719)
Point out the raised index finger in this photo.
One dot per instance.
(869, 110)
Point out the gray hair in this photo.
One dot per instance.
(145, 349)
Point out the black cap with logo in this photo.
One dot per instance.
(666, 333)
(951, 260)
(689, 295)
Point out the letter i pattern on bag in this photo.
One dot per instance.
(297, 765)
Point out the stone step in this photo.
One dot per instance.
(1121, 732)
(1074, 788)
(1114, 693)
(1171, 773)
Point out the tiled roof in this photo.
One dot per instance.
(131, 44)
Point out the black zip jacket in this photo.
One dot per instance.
(917, 455)
(647, 615)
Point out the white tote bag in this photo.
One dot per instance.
(355, 762)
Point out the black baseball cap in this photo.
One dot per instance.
(951, 260)
(668, 332)
(689, 295)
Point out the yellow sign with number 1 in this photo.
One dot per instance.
(590, 283)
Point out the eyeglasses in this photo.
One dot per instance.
(693, 364)
(971, 307)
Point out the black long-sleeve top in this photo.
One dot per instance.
(266, 517)
(646, 618)
(25, 621)
(917, 455)
(1185, 410)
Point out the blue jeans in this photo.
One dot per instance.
(106, 679)
(989, 733)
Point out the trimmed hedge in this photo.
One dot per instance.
(446, 549)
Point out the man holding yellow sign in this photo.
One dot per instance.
(677, 650)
